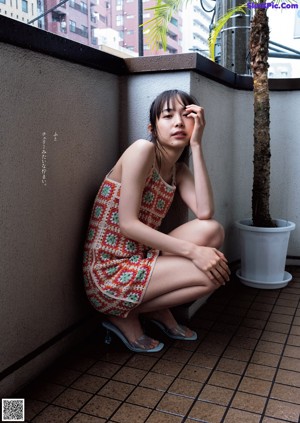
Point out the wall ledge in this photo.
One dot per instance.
(32, 38)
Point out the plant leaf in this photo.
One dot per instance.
(220, 24)
(158, 25)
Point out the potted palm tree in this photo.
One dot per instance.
(263, 240)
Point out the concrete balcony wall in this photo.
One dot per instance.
(74, 110)
(285, 171)
(219, 103)
(228, 144)
(218, 141)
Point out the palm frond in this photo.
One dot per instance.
(220, 24)
(158, 24)
(286, 1)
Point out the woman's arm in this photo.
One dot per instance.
(136, 165)
(195, 189)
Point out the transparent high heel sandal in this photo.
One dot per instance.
(177, 332)
(141, 345)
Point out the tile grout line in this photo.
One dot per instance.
(219, 359)
(228, 407)
(279, 362)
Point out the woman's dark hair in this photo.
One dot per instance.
(168, 98)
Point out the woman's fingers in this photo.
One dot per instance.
(213, 263)
(219, 269)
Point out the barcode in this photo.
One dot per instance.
(13, 410)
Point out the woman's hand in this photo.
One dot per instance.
(213, 263)
(196, 113)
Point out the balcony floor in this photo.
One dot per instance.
(244, 368)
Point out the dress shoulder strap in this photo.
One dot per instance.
(174, 175)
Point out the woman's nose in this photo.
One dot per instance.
(178, 120)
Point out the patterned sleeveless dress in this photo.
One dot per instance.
(117, 269)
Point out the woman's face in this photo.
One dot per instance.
(174, 128)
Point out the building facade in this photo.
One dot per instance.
(196, 25)
(21, 10)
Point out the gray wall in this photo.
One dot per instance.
(228, 145)
(43, 226)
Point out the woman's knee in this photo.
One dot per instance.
(218, 234)
(209, 233)
(212, 232)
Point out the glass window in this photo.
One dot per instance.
(83, 7)
(174, 21)
(171, 50)
(72, 26)
(119, 20)
(24, 6)
(84, 31)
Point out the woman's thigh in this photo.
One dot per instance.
(172, 273)
(208, 233)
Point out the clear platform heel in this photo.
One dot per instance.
(143, 344)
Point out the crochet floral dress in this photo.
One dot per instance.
(117, 269)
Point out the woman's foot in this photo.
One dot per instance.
(130, 327)
(165, 320)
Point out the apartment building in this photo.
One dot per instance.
(21, 10)
(196, 24)
(119, 23)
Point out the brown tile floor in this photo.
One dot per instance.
(244, 368)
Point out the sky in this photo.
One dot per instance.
(282, 24)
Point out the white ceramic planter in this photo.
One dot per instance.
(263, 254)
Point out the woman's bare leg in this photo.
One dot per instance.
(175, 280)
(176, 272)
(195, 283)
(208, 233)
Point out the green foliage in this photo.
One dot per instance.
(158, 25)
(220, 24)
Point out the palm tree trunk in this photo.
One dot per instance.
(259, 46)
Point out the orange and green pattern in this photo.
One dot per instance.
(117, 269)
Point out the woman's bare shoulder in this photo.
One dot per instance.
(140, 148)
(142, 144)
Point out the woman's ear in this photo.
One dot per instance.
(150, 129)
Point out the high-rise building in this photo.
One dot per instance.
(196, 20)
(122, 16)
(21, 10)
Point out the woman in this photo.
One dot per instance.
(130, 267)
